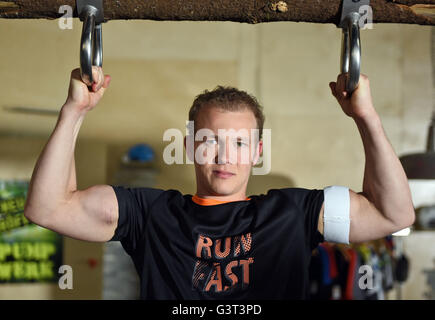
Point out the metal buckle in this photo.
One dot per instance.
(91, 45)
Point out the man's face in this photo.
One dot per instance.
(226, 152)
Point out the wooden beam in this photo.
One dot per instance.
(248, 11)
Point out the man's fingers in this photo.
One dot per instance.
(75, 74)
(95, 87)
(340, 89)
(107, 80)
(341, 82)
(98, 77)
(332, 85)
(104, 84)
(336, 91)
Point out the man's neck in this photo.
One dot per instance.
(224, 198)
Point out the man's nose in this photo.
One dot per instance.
(226, 153)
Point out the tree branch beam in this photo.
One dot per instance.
(247, 11)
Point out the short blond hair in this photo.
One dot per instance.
(229, 99)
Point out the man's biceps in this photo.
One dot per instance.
(361, 208)
(99, 203)
(113, 206)
(358, 204)
(367, 222)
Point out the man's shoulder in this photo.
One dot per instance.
(292, 196)
(147, 193)
(284, 192)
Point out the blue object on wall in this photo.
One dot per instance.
(141, 152)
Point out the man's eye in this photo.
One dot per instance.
(241, 144)
(211, 141)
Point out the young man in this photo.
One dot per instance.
(219, 244)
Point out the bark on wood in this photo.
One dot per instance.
(317, 11)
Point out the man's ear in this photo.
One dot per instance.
(190, 148)
(258, 151)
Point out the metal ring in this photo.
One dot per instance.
(351, 51)
(91, 48)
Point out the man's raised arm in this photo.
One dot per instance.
(53, 200)
(385, 204)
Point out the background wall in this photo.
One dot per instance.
(18, 155)
(158, 68)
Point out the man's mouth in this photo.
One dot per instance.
(222, 174)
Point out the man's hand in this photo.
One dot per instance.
(80, 98)
(359, 105)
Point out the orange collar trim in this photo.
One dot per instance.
(210, 202)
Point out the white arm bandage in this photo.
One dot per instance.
(336, 214)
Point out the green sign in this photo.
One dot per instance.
(28, 253)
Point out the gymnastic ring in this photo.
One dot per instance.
(91, 45)
(351, 51)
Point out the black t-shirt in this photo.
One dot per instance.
(252, 249)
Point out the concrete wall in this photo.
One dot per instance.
(18, 154)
